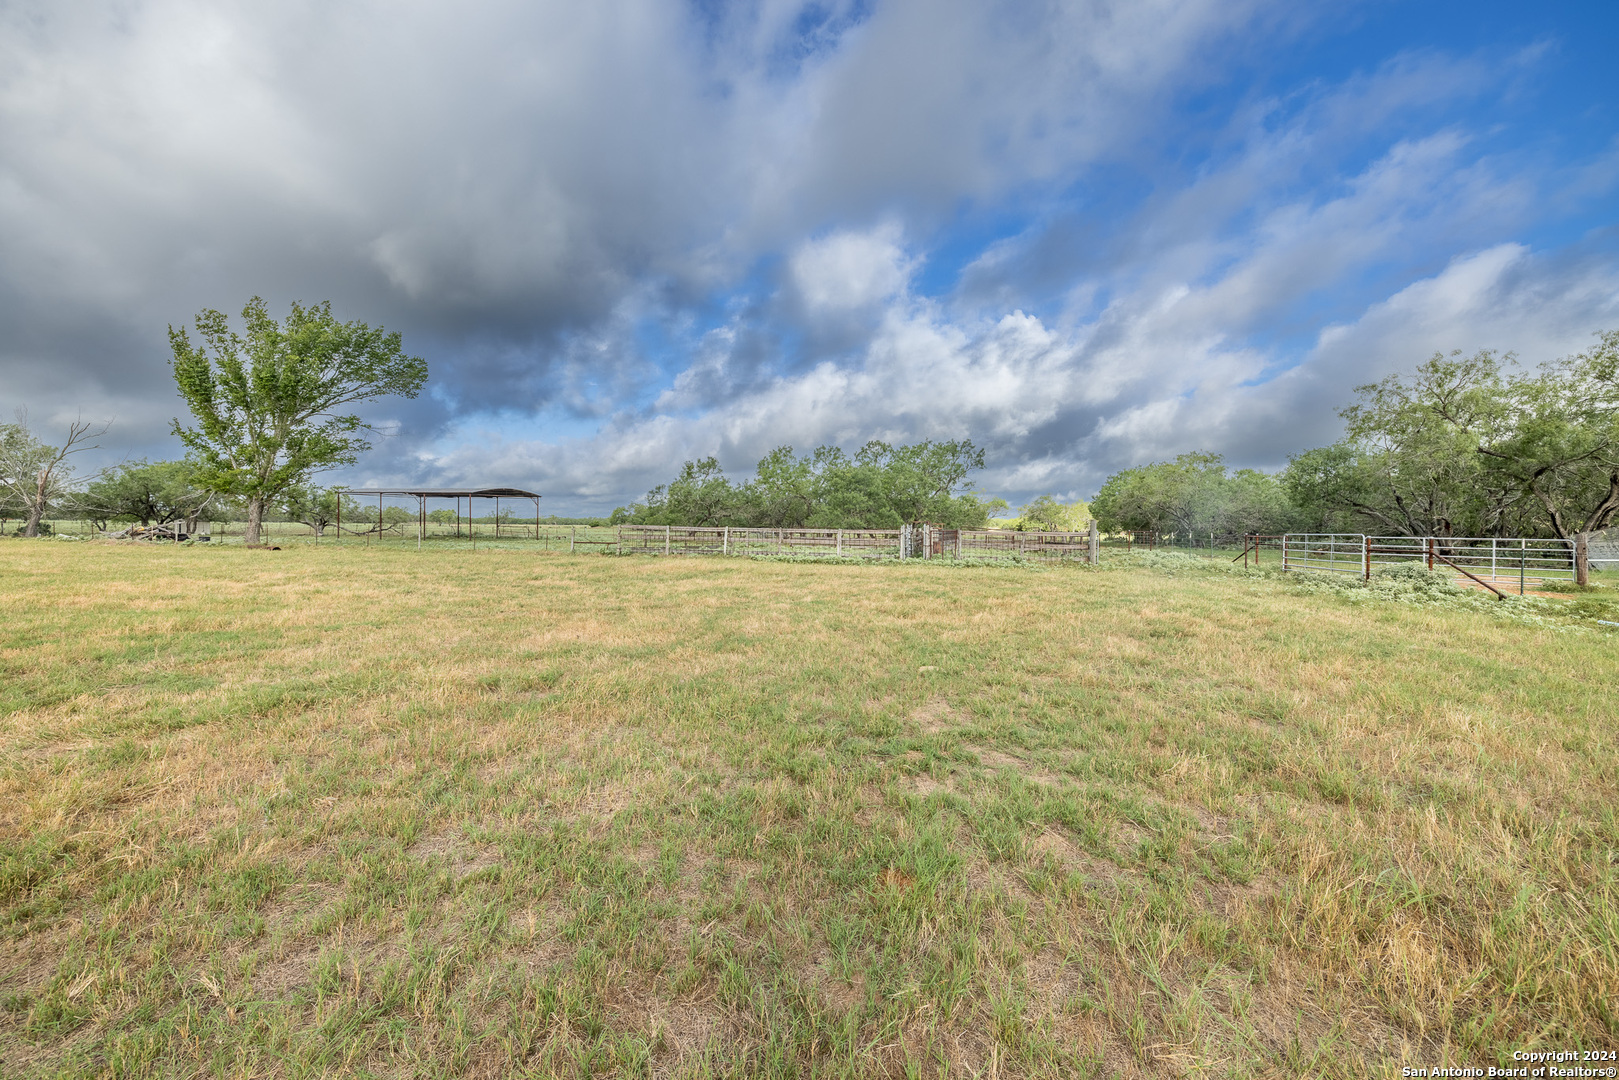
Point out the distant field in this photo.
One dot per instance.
(339, 811)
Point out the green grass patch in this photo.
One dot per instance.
(347, 811)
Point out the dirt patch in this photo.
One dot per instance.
(682, 1031)
(936, 716)
(1054, 844)
(463, 856)
(289, 970)
(998, 760)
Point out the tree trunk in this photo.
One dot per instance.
(255, 516)
(37, 509)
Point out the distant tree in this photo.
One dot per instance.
(786, 489)
(927, 481)
(1047, 514)
(1183, 495)
(880, 487)
(1193, 494)
(148, 492)
(442, 517)
(1255, 503)
(35, 476)
(316, 507)
(855, 492)
(267, 405)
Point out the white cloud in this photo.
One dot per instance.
(536, 191)
(848, 270)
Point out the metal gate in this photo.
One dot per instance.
(1497, 563)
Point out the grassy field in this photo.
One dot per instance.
(347, 812)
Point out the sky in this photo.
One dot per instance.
(628, 233)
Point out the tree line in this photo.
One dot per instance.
(879, 486)
(1464, 446)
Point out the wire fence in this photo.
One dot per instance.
(906, 542)
(1515, 564)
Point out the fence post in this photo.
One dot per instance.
(573, 537)
(725, 541)
(1582, 558)
(1096, 544)
(840, 543)
(1431, 543)
(666, 529)
(1284, 553)
(1523, 550)
(1366, 560)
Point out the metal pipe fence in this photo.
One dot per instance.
(907, 542)
(1495, 563)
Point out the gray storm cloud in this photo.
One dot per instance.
(525, 189)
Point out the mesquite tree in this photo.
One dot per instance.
(147, 492)
(267, 403)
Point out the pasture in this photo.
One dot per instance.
(341, 811)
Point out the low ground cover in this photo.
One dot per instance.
(343, 812)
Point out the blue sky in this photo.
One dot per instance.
(629, 233)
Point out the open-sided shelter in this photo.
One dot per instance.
(421, 496)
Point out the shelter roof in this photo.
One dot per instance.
(448, 493)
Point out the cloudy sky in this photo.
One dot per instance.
(625, 233)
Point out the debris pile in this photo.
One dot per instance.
(174, 530)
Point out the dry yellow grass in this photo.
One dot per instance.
(346, 812)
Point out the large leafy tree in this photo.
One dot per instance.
(1415, 440)
(1193, 494)
(270, 403)
(1469, 446)
(1559, 448)
(1166, 496)
(147, 492)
